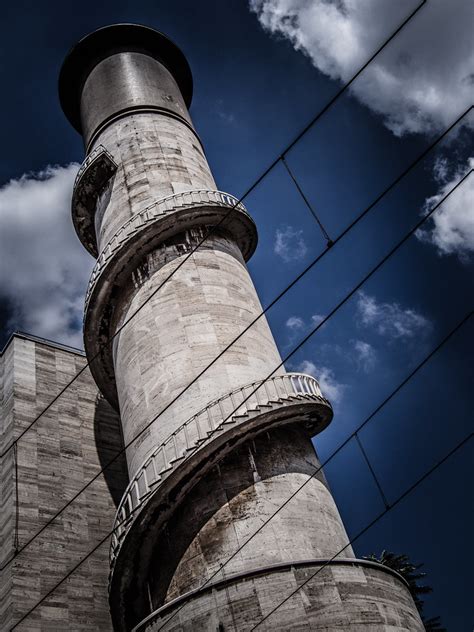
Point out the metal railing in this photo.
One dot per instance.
(196, 431)
(95, 153)
(169, 204)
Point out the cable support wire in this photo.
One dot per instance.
(328, 239)
(199, 375)
(289, 355)
(372, 471)
(226, 216)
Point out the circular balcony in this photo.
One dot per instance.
(93, 175)
(185, 456)
(141, 234)
(354, 585)
(242, 226)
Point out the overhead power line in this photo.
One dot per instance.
(328, 239)
(289, 355)
(226, 216)
(199, 375)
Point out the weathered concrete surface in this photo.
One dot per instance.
(61, 453)
(232, 501)
(156, 156)
(222, 513)
(180, 330)
(353, 598)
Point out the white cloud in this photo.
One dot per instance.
(330, 387)
(44, 268)
(316, 319)
(441, 169)
(223, 113)
(421, 82)
(366, 356)
(289, 244)
(297, 326)
(451, 227)
(295, 323)
(390, 319)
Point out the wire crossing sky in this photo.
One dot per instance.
(176, 398)
(399, 137)
(300, 344)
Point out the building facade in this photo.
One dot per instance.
(70, 443)
(217, 434)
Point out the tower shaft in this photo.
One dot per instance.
(180, 326)
(212, 451)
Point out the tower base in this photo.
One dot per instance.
(346, 594)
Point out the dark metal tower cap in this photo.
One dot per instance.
(106, 41)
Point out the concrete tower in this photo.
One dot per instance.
(212, 467)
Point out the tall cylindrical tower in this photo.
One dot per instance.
(172, 289)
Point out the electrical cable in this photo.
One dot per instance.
(271, 304)
(341, 91)
(300, 344)
(328, 239)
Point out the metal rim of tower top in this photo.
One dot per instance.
(108, 40)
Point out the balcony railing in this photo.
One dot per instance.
(93, 174)
(169, 204)
(199, 429)
(94, 154)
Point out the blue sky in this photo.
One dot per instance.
(260, 75)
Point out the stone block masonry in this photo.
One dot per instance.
(172, 289)
(66, 447)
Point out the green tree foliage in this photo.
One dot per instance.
(414, 578)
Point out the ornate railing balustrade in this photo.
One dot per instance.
(93, 155)
(169, 204)
(188, 438)
(92, 177)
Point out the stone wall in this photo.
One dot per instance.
(63, 451)
(349, 595)
(179, 331)
(156, 156)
